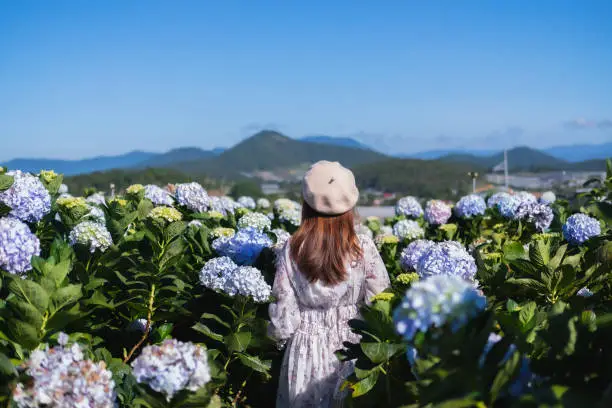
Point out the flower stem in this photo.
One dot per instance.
(147, 327)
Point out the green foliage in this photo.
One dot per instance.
(246, 188)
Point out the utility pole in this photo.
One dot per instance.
(506, 168)
(474, 176)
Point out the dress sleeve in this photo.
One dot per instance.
(376, 276)
(285, 311)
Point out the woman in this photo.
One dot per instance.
(324, 272)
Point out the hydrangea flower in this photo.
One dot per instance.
(409, 207)
(496, 198)
(121, 202)
(48, 176)
(97, 199)
(92, 235)
(96, 214)
(192, 196)
(215, 215)
(447, 258)
(408, 230)
(244, 247)
(407, 278)
(165, 214)
(70, 203)
(263, 203)
(579, 228)
(507, 206)
(222, 232)
(288, 211)
(17, 246)
(540, 215)
(282, 237)
(247, 202)
(382, 239)
(436, 302)
(172, 366)
(158, 195)
(216, 272)
(386, 230)
(220, 206)
(62, 378)
(382, 296)
(584, 292)
(63, 189)
(27, 197)
(526, 197)
(195, 224)
(249, 282)
(139, 325)
(548, 197)
(437, 212)
(411, 255)
(256, 220)
(470, 206)
(134, 189)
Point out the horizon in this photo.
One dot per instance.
(82, 80)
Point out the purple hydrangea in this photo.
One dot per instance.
(584, 292)
(436, 302)
(437, 212)
(496, 198)
(244, 247)
(158, 195)
(192, 196)
(409, 207)
(447, 258)
(172, 366)
(579, 228)
(540, 215)
(413, 252)
(470, 206)
(27, 197)
(17, 246)
(61, 377)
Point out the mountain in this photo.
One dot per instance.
(436, 154)
(70, 167)
(422, 178)
(182, 154)
(578, 153)
(268, 150)
(336, 141)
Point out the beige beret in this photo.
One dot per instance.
(330, 188)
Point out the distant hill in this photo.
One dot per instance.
(179, 155)
(525, 159)
(436, 154)
(423, 178)
(70, 167)
(336, 141)
(578, 153)
(268, 150)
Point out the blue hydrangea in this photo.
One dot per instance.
(215, 273)
(413, 252)
(223, 205)
(192, 196)
(172, 366)
(496, 198)
(507, 206)
(247, 202)
(408, 230)
(408, 206)
(584, 292)
(436, 302)
(17, 246)
(437, 212)
(447, 258)
(96, 214)
(470, 206)
(244, 247)
(91, 235)
(158, 195)
(248, 281)
(579, 228)
(256, 220)
(27, 197)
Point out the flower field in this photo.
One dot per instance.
(158, 298)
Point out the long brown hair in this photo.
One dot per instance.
(323, 244)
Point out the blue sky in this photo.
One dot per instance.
(86, 78)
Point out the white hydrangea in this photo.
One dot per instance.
(91, 234)
(408, 230)
(247, 202)
(256, 220)
(263, 203)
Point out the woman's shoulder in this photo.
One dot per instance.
(366, 241)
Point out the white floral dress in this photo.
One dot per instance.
(312, 318)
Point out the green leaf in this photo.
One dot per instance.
(527, 313)
(512, 306)
(30, 292)
(205, 330)
(507, 372)
(210, 316)
(555, 261)
(7, 369)
(539, 253)
(26, 312)
(144, 208)
(23, 333)
(5, 182)
(513, 251)
(238, 342)
(364, 386)
(380, 352)
(255, 363)
(65, 296)
(59, 272)
(173, 230)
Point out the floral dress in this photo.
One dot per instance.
(311, 318)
